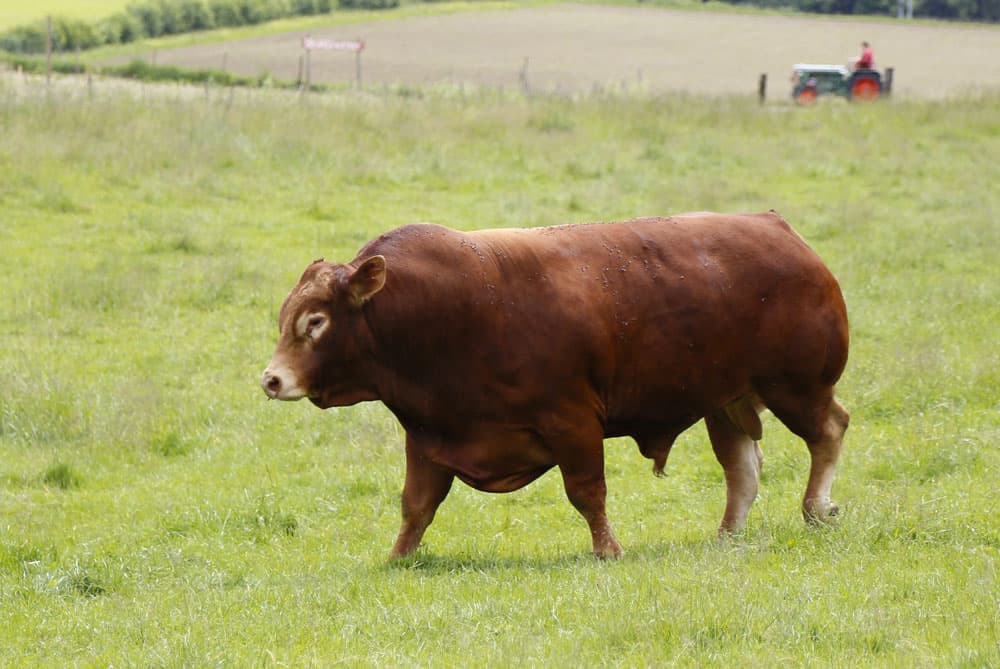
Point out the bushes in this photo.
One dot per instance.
(259, 11)
(38, 65)
(968, 10)
(312, 6)
(196, 15)
(142, 71)
(67, 35)
(24, 39)
(154, 18)
(368, 4)
(120, 29)
(225, 13)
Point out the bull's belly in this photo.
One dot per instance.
(496, 459)
(640, 427)
(657, 413)
(506, 481)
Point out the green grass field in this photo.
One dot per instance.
(155, 510)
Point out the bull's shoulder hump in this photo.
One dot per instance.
(417, 231)
(407, 236)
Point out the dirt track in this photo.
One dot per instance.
(577, 47)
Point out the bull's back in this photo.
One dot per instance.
(687, 274)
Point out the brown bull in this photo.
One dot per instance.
(504, 353)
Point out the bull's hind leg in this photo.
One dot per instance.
(741, 460)
(821, 421)
(817, 507)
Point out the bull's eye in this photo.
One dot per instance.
(315, 326)
(311, 325)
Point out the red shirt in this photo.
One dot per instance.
(867, 60)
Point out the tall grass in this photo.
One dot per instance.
(155, 510)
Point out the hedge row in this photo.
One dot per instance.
(154, 18)
(142, 71)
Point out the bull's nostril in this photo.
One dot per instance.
(272, 384)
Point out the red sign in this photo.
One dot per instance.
(311, 43)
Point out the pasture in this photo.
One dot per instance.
(572, 48)
(155, 510)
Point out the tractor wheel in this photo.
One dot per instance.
(865, 88)
(806, 97)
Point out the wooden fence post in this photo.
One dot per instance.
(357, 64)
(48, 51)
(308, 70)
(887, 82)
(762, 88)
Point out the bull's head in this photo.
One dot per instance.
(322, 334)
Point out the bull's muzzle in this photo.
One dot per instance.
(280, 383)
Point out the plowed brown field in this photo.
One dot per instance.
(577, 47)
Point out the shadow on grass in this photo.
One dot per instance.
(778, 540)
(427, 563)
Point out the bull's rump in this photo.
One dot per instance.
(652, 322)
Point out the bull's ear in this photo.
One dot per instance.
(367, 280)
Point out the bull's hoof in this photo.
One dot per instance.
(820, 511)
(726, 534)
(610, 552)
(402, 551)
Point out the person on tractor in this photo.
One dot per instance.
(866, 61)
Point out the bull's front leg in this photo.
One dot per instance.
(583, 478)
(426, 486)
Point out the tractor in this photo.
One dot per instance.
(811, 81)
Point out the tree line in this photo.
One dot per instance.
(960, 10)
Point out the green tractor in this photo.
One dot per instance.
(811, 81)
